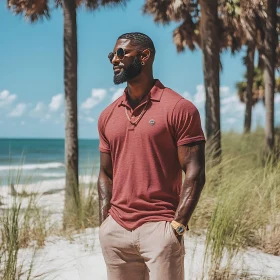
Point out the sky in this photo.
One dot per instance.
(31, 72)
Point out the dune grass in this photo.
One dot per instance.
(240, 204)
(23, 223)
(14, 235)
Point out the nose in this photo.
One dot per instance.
(115, 59)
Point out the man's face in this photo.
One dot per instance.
(130, 66)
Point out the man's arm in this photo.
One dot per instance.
(192, 161)
(104, 185)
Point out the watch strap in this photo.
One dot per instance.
(179, 228)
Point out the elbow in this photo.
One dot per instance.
(197, 175)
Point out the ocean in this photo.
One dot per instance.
(35, 160)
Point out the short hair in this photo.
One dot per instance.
(139, 39)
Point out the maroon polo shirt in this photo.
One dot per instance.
(147, 176)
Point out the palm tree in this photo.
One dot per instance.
(253, 19)
(258, 89)
(240, 20)
(199, 26)
(209, 30)
(269, 58)
(34, 10)
(249, 25)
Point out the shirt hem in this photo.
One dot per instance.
(161, 219)
(104, 150)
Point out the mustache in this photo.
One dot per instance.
(118, 67)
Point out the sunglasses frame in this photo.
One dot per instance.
(116, 53)
(112, 54)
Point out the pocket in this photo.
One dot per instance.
(105, 221)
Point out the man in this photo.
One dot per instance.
(147, 137)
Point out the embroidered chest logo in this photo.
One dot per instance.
(152, 122)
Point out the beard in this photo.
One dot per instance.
(127, 74)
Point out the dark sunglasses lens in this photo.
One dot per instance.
(120, 53)
(111, 56)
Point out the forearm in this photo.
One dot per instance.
(189, 196)
(104, 185)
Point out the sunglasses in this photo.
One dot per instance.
(120, 53)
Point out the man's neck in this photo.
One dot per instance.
(138, 90)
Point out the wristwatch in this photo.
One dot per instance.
(179, 228)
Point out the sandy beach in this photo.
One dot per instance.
(80, 257)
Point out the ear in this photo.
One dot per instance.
(145, 56)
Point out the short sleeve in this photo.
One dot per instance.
(104, 145)
(186, 123)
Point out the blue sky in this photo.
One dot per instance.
(31, 72)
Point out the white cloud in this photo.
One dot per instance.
(56, 102)
(6, 98)
(39, 110)
(97, 95)
(232, 104)
(46, 117)
(199, 96)
(224, 91)
(229, 100)
(117, 94)
(39, 107)
(18, 111)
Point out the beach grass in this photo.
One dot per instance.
(16, 232)
(240, 204)
(23, 224)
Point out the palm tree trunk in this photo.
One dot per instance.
(269, 72)
(72, 198)
(249, 89)
(211, 64)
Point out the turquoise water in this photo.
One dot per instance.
(43, 159)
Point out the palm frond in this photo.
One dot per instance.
(165, 11)
(32, 10)
(277, 85)
(112, 2)
(258, 87)
(186, 35)
(160, 9)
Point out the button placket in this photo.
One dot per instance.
(130, 126)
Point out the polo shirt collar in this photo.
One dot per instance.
(155, 93)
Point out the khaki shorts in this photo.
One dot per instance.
(152, 251)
